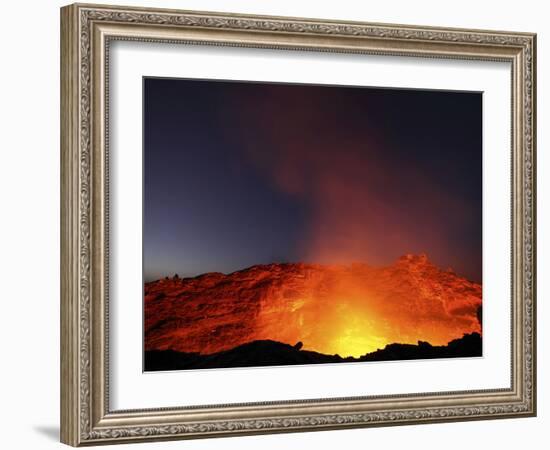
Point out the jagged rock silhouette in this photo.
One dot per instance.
(270, 353)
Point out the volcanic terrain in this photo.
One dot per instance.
(349, 311)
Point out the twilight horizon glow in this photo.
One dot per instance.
(238, 174)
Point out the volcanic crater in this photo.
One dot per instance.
(345, 311)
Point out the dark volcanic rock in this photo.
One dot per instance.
(271, 353)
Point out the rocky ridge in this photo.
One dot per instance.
(333, 309)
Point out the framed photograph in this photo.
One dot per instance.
(275, 224)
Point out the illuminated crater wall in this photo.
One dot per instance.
(345, 310)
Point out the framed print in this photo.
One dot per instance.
(275, 224)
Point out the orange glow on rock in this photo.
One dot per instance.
(346, 310)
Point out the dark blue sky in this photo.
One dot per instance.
(237, 174)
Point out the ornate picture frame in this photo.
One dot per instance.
(87, 31)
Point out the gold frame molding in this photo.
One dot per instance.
(86, 31)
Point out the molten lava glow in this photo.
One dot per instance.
(345, 310)
(356, 311)
(360, 336)
(347, 325)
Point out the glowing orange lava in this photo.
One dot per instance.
(345, 310)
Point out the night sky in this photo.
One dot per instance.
(237, 174)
